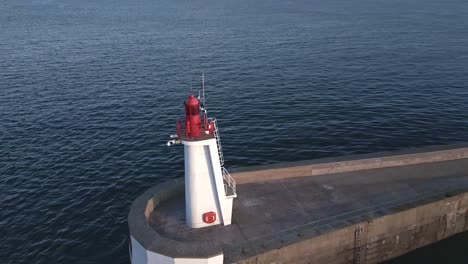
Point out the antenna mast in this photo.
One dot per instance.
(191, 91)
(203, 89)
(203, 104)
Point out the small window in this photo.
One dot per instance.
(194, 111)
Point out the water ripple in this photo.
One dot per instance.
(90, 91)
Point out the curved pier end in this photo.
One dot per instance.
(149, 246)
(361, 209)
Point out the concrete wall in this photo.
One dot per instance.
(348, 163)
(357, 242)
(379, 239)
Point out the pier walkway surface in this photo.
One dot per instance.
(267, 212)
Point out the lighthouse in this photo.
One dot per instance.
(209, 189)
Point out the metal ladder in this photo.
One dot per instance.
(357, 244)
(229, 183)
(218, 141)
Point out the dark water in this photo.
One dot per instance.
(91, 89)
(451, 250)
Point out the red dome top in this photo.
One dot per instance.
(192, 101)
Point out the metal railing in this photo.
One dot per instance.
(218, 139)
(182, 131)
(229, 184)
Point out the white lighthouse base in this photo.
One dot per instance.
(139, 255)
(205, 190)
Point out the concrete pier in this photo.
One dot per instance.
(356, 209)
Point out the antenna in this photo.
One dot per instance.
(203, 101)
(203, 86)
(199, 99)
(191, 91)
(203, 90)
(203, 105)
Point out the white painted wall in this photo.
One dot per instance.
(138, 255)
(142, 256)
(204, 187)
(225, 203)
(214, 260)
(200, 185)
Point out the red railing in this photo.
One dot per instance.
(182, 131)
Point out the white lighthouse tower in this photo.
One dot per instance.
(209, 189)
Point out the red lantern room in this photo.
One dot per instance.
(192, 117)
(196, 126)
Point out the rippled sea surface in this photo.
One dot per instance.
(90, 91)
